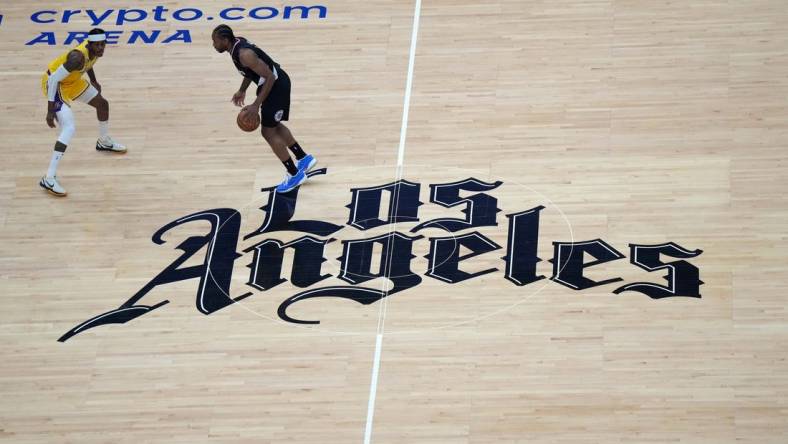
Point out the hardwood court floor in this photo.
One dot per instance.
(643, 122)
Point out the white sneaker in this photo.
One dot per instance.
(107, 144)
(51, 184)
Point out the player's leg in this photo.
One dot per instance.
(92, 97)
(281, 92)
(294, 177)
(271, 135)
(304, 161)
(65, 120)
(272, 112)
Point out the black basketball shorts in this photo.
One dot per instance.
(276, 107)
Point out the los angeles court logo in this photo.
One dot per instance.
(440, 248)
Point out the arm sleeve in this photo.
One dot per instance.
(54, 80)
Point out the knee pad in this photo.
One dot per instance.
(65, 119)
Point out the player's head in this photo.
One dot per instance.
(223, 38)
(97, 41)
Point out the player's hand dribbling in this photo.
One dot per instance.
(238, 98)
(247, 109)
(51, 119)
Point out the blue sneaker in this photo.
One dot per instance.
(291, 182)
(306, 163)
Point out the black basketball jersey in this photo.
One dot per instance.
(241, 43)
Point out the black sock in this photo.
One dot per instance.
(290, 166)
(297, 151)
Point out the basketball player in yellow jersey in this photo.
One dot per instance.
(63, 84)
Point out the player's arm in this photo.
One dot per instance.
(74, 61)
(240, 95)
(93, 80)
(250, 60)
(245, 84)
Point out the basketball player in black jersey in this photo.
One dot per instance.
(273, 101)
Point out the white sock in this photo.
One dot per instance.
(56, 155)
(103, 129)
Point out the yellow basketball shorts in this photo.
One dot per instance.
(67, 92)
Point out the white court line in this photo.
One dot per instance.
(373, 386)
(373, 389)
(406, 107)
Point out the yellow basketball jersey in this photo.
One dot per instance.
(74, 84)
(76, 74)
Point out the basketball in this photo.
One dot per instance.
(248, 121)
